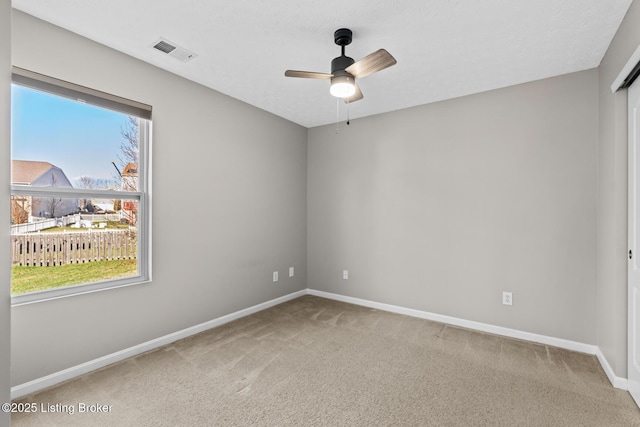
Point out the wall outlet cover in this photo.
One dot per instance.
(507, 298)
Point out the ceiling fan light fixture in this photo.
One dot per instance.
(345, 71)
(342, 87)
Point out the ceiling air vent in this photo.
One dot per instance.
(164, 46)
(171, 49)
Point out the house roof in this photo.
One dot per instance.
(27, 171)
(130, 170)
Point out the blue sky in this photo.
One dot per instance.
(78, 138)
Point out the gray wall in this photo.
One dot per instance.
(5, 179)
(442, 207)
(611, 309)
(439, 207)
(239, 169)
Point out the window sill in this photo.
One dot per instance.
(70, 291)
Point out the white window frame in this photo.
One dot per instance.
(65, 89)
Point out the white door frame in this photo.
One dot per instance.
(633, 270)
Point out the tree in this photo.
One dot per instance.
(19, 212)
(89, 183)
(86, 182)
(129, 146)
(53, 203)
(129, 149)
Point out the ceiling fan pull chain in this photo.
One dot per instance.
(348, 112)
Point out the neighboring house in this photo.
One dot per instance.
(103, 206)
(40, 174)
(130, 177)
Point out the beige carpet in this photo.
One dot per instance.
(313, 361)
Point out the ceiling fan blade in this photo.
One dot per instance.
(307, 74)
(355, 97)
(372, 63)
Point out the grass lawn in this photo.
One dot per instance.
(30, 279)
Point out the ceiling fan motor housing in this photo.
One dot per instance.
(340, 63)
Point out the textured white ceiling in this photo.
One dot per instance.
(444, 48)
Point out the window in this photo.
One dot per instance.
(79, 189)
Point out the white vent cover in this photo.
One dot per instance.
(172, 49)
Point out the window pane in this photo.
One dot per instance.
(73, 249)
(58, 142)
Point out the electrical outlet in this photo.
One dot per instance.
(275, 276)
(507, 298)
(345, 274)
(290, 271)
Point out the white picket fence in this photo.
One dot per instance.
(38, 224)
(51, 249)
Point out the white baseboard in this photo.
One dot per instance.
(469, 324)
(617, 382)
(75, 371)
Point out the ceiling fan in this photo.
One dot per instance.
(345, 71)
